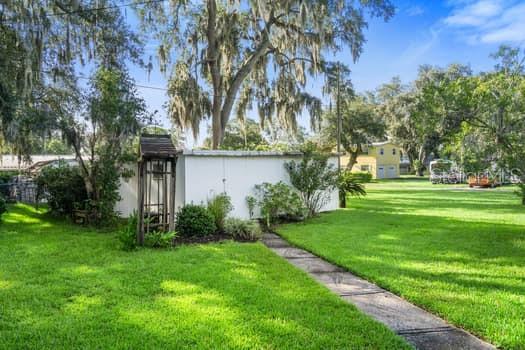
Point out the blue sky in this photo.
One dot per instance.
(421, 32)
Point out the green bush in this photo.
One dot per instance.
(279, 202)
(128, 235)
(3, 206)
(361, 177)
(244, 230)
(251, 201)
(195, 220)
(5, 178)
(314, 179)
(220, 206)
(159, 239)
(63, 187)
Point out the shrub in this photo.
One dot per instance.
(348, 186)
(128, 235)
(279, 202)
(159, 239)
(63, 187)
(220, 206)
(3, 206)
(195, 220)
(251, 201)
(244, 230)
(5, 178)
(314, 179)
(361, 177)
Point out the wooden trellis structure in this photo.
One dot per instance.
(156, 185)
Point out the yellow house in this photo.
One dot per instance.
(381, 159)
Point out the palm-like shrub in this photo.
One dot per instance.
(349, 186)
(220, 206)
(244, 230)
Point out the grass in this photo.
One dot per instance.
(457, 252)
(62, 286)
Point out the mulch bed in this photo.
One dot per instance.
(205, 239)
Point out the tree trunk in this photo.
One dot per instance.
(352, 159)
(212, 56)
(216, 126)
(342, 199)
(353, 154)
(223, 100)
(421, 161)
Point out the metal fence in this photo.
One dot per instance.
(20, 189)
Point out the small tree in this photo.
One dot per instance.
(314, 179)
(102, 143)
(360, 124)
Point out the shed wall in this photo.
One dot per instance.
(200, 177)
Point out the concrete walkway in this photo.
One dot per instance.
(419, 327)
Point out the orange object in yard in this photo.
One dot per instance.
(482, 181)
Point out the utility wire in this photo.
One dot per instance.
(104, 8)
(92, 9)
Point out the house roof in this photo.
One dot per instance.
(241, 153)
(157, 146)
(375, 144)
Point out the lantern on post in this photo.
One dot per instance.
(156, 185)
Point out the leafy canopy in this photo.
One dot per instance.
(254, 51)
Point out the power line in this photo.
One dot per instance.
(137, 85)
(104, 8)
(92, 9)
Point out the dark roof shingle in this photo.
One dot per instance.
(157, 146)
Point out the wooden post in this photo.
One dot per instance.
(165, 195)
(140, 204)
(173, 174)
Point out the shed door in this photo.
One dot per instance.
(391, 172)
(381, 172)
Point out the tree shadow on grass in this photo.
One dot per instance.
(401, 200)
(73, 288)
(470, 272)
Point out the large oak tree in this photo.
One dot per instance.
(235, 55)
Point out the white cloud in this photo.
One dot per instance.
(488, 21)
(415, 11)
(475, 13)
(415, 52)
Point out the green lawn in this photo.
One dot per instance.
(62, 286)
(457, 252)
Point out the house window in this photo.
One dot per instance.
(393, 151)
(365, 168)
(382, 151)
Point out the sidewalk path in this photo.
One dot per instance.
(419, 327)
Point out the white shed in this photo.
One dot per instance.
(202, 174)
